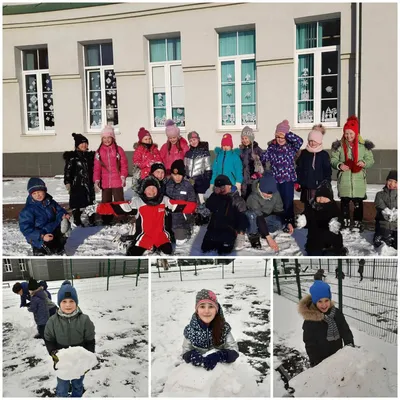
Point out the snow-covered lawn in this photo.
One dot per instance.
(245, 299)
(121, 322)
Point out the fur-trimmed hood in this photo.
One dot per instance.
(308, 310)
(136, 145)
(367, 144)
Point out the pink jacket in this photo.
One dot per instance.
(144, 158)
(110, 167)
(174, 154)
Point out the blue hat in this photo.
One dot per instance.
(67, 291)
(268, 183)
(320, 290)
(35, 184)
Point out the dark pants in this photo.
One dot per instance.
(76, 214)
(109, 195)
(137, 251)
(40, 329)
(246, 190)
(286, 190)
(222, 241)
(55, 246)
(358, 208)
(63, 387)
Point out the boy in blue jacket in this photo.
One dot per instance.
(40, 220)
(21, 288)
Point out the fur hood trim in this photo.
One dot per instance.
(309, 311)
(335, 145)
(367, 144)
(200, 146)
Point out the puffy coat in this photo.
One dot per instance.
(198, 166)
(168, 157)
(38, 218)
(250, 156)
(352, 184)
(144, 157)
(227, 163)
(309, 177)
(315, 331)
(39, 308)
(62, 332)
(281, 158)
(78, 172)
(110, 164)
(263, 207)
(386, 199)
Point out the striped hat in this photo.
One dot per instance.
(35, 184)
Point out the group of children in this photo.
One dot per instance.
(244, 190)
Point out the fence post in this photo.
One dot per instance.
(195, 267)
(328, 264)
(296, 262)
(123, 269)
(70, 267)
(276, 275)
(320, 263)
(233, 266)
(340, 292)
(180, 271)
(108, 273)
(138, 271)
(373, 271)
(266, 264)
(310, 263)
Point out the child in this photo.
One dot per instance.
(386, 213)
(313, 167)
(175, 148)
(280, 154)
(179, 188)
(351, 157)
(321, 218)
(69, 327)
(228, 221)
(250, 154)
(78, 177)
(38, 306)
(198, 165)
(208, 330)
(40, 220)
(361, 264)
(324, 329)
(21, 288)
(110, 169)
(228, 163)
(158, 171)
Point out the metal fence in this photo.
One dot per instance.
(369, 304)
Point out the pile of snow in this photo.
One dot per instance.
(74, 362)
(351, 372)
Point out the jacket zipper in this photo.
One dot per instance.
(69, 331)
(223, 162)
(109, 165)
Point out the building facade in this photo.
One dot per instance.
(212, 67)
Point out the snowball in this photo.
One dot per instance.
(390, 214)
(301, 221)
(334, 225)
(74, 362)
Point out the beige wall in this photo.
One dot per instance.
(128, 25)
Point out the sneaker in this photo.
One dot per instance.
(240, 239)
(378, 240)
(255, 241)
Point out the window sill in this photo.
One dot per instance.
(36, 134)
(235, 130)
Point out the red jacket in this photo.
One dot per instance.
(169, 157)
(144, 158)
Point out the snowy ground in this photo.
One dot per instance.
(121, 341)
(246, 305)
(340, 376)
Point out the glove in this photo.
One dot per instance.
(123, 180)
(334, 225)
(68, 187)
(195, 358)
(212, 360)
(301, 221)
(97, 188)
(55, 359)
(297, 187)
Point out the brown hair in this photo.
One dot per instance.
(218, 329)
(114, 143)
(177, 144)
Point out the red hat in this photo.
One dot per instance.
(227, 140)
(352, 123)
(143, 133)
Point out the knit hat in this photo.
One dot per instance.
(67, 291)
(206, 296)
(315, 135)
(267, 183)
(171, 129)
(149, 181)
(283, 127)
(33, 284)
(392, 175)
(324, 190)
(193, 134)
(178, 168)
(320, 290)
(227, 140)
(222, 180)
(79, 139)
(108, 131)
(143, 133)
(247, 131)
(35, 184)
(353, 124)
(17, 287)
(156, 166)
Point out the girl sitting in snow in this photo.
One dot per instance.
(207, 331)
(324, 328)
(68, 327)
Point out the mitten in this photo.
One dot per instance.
(297, 187)
(212, 360)
(97, 188)
(194, 357)
(301, 221)
(68, 187)
(55, 359)
(334, 225)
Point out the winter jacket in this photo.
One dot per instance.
(168, 157)
(353, 185)
(25, 294)
(78, 172)
(39, 307)
(315, 330)
(144, 157)
(39, 218)
(227, 163)
(198, 166)
(386, 198)
(62, 332)
(281, 158)
(44, 285)
(250, 156)
(110, 165)
(261, 206)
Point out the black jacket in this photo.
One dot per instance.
(307, 176)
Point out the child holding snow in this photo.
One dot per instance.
(351, 156)
(38, 306)
(43, 221)
(325, 329)
(386, 213)
(207, 331)
(69, 327)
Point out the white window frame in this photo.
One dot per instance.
(22, 265)
(238, 88)
(7, 266)
(38, 73)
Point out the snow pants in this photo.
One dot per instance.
(286, 190)
(107, 196)
(63, 387)
(221, 240)
(56, 246)
(40, 329)
(358, 208)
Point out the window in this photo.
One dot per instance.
(166, 76)
(317, 66)
(38, 91)
(7, 267)
(101, 86)
(237, 78)
(22, 265)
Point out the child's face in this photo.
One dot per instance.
(68, 306)
(226, 148)
(83, 147)
(38, 195)
(313, 144)
(391, 184)
(245, 140)
(173, 140)
(107, 141)
(146, 140)
(159, 174)
(177, 178)
(223, 189)
(206, 312)
(324, 304)
(21, 292)
(150, 192)
(322, 199)
(280, 138)
(194, 141)
(266, 196)
(349, 135)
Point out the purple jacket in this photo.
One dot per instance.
(281, 158)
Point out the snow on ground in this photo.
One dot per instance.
(121, 341)
(289, 351)
(246, 305)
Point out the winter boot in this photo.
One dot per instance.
(378, 240)
(346, 223)
(358, 226)
(255, 241)
(240, 242)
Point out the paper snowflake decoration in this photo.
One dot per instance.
(247, 77)
(229, 78)
(229, 92)
(247, 95)
(329, 89)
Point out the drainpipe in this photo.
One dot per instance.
(357, 107)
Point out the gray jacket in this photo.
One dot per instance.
(386, 199)
(261, 206)
(197, 160)
(230, 344)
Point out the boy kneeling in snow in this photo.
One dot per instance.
(69, 327)
(386, 213)
(322, 220)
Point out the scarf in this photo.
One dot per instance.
(314, 150)
(62, 314)
(333, 332)
(352, 163)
